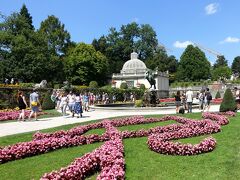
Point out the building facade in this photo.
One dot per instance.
(133, 73)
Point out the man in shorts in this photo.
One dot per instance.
(34, 103)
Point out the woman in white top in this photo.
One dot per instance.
(64, 104)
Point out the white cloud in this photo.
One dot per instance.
(184, 44)
(230, 39)
(211, 8)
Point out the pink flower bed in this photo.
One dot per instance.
(167, 100)
(109, 157)
(217, 101)
(13, 115)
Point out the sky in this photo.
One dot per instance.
(213, 25)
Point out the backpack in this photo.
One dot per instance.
(209, 97)
(181, 110)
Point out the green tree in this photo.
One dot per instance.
(28, 18)
(47, 102)
(221, 72)
(118, 45)
(218, 95)
(123, 85)
(236, 65)
(85, 64)
(228, 103)
(93, 84)
(58, 39)
(221, 61)
(193, 65)
(162, 61)
(25, 52)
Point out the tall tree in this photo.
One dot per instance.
(57, 37)
(28, 18)
(25, 52)
(236, 65)
(221, 61)
(193, 65)
(85, 64)
(221, 73)
(120, 44)
(159, 60)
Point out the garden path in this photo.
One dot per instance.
(10, 128)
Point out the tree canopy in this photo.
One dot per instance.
(85, 64)
(118, 45)
(236, 65)
(58, 39)
(193, 65)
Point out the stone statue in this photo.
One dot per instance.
(42, 84)
(150, 76)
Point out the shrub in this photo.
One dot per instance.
(228, 103)
(139, 103)
(47, 102)
(142, 86)
(57, 86)
(172, 95)
(123, 86)
(218, 95)
(93, 84)
(26, 85)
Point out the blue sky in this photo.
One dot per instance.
(212, 24)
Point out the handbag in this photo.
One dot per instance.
(34, 103)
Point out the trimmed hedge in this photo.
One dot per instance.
(47, 102)
(228, 103)
(218, 95)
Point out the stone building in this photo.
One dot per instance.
(133, 73)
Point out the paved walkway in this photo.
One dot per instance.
(11, 128)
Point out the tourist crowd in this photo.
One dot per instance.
(184, 101)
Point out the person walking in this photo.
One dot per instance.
(22, 104)
(183, 100)
(86, 101)
(208, 98)
(78, 106)
(189, 97)
(64, 104)
(34, 103)
(201, 99)
(178, 101)
(71, 102)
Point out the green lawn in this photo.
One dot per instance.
(141, 162)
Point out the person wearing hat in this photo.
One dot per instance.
(34, 103)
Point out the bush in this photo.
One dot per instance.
(47, 102)
(142, 86)
(26, 85)
(218, 95)
(139, 103)
(228, 103)
(123, 86)
(93, 84)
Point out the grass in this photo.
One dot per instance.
(141, 162)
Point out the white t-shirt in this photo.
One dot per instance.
(189, 96)
(71, 98)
